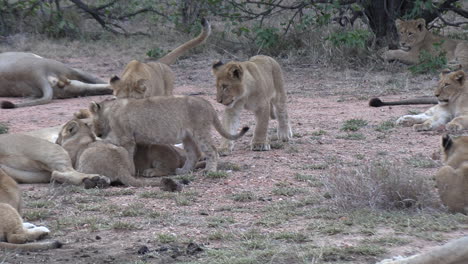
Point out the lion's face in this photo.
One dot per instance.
(411, 32)
(73, 128)
(229, 87)
(100, 124)
(128, 89)
(450, 85)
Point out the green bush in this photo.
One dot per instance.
(3, 128)
(356, 38)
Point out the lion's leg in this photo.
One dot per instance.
(284, 130)
(75, 88)
(402, 56)
(457, 124)
(460, 56)
(231, 124)
(210, 152)
(23, 176)
(27, 235)
(260, 138)
(47, 95)
(193, 153)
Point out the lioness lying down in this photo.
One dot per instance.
(452, 110)
(452, 179)
(141, 80)
(161, 120)
(98, 157)
(454, 252)
(414, 38)
(26, 74)
(255, 85)
(33, 160)
(13, 232)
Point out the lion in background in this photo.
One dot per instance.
(141, 80)
(452, 109)
(255, 85)
(14, 234)
(27, 74)
(452, 178)
(414, 38)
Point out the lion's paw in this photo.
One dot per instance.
(96, 181)
(149, 173)
(284, 136)
(260, 147)
(406, 121)
(454, 127)
(181, 171)
(224, 151)
(27, 225)
(422, 127)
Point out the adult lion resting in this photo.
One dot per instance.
(452, 110)
(161, 120)
(13, 232)
(141, 80)
(454, 252)
(452, 179)
(27, 74)
(256, 85)
(414, 38)
(98, 157)
(33, 160)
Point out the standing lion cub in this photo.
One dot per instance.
(255, 85)
(161, 120)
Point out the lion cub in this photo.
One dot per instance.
(452, 110)
(12, 229)
(161, 120)
(452, 179)
(98, 157)
(141, 80)
(414, 38)
(255, 85)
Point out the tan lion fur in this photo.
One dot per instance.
(161, 120)
(454, 252)
(13, 233)
(255, 85)
(414, 38)
(141, 80)
(27, 74)
(452, 178)
(29, 159)
(89, 155)
(452, 110)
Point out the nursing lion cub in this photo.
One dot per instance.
(89, 155)
(141, 80)
(452, 110)
(161, 120)
(13, 232)
(414, 38)
(255, 85)
(452, 179)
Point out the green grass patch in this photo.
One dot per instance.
(353, 124)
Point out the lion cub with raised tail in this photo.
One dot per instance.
(89, 155)
(13, 232)
(162, 120)
(255, 85)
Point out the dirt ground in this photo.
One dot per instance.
(266, 207)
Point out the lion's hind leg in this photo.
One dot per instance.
(284, 127)
(193, 153)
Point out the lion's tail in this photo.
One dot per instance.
(376, 102)
(222, 131)
(172, 56)
(32, 246)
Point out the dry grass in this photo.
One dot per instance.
(380, 185)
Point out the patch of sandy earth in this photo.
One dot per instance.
(261, 172)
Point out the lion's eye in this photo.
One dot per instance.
(410, 34)
(224, 86)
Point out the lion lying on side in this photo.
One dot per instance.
(33, 160)
(255, 85)
(27, 74)
(13, 232)
(454, 252)
(141, 80)
(452, 179)
(98, 157)
(452, 110)
(414, 38)
(161, 120)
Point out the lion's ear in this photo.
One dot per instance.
(398, 22)
(215, 66)
(460, 77)
(421, 24)
(94, 107)
(446, 142)
(141, 86)
(235, 71)
(114, 79)
(72, 127)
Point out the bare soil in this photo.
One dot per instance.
(218, 214)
